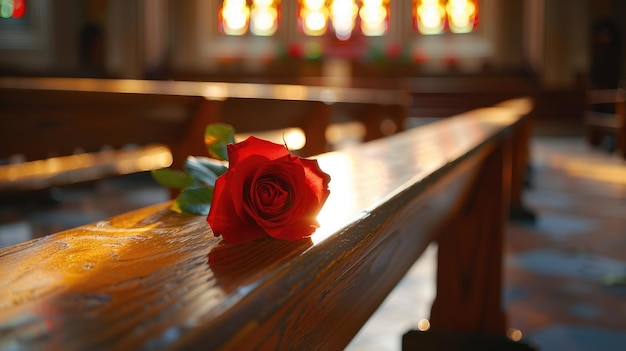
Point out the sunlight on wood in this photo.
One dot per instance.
(294, 138)
(341, 204)
(83, 167)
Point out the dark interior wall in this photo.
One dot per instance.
(620, 7)
(510, 24)
(608, 43)
(59, 52)
(91, 41)
(66, 17)
(48, 39)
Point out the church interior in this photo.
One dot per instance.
(564, 260)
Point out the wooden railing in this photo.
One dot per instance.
(154, 279)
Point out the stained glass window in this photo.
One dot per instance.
(12, 8)
(259, 17)
(344, 17)
(439, 16)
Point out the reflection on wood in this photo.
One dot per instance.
(153, 279)
(83, 167)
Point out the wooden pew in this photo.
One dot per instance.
(154, 279)
(43, 117)
(451, 95)
(518, 211)
(606, 116)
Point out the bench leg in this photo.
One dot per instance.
(399, 114)
(468, 307)
(314, 128)
(374, 115)
(469, 271)
(518, 210)
(593, 137)
(621, 140)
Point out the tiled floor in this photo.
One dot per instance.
(565, 276)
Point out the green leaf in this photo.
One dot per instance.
(215, 166)
(172, 178)
(200, 172)
(216, 137)
(194, 201)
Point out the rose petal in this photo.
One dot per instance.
(254, 146)
(296, 231)
(317, 179)
(289, 172)
(301, 220)
(224, 220)
(240, 178)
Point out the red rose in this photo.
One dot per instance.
(267, 191)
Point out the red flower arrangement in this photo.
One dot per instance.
(265, 190)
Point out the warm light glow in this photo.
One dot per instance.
(314, 17)
(248, 90)
(293, 138)
(216, 91)
(461, 15)
(340, 134)
(234, 16)
(79, 167)
(263, 18)
(430, 17)
(437, 16)
(341, 206)
(373, 16)
(423, 324)
(315, 23)
(388, 126)
(317, 15)
(290, 92)
(315, 5)
(514, 334)
(612, 174)
(129, 163)
(343, 15)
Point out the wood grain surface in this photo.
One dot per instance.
(153, 279)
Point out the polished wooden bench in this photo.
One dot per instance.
(44, 117)
(154, 279)
(606, 117)
(449, 95)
